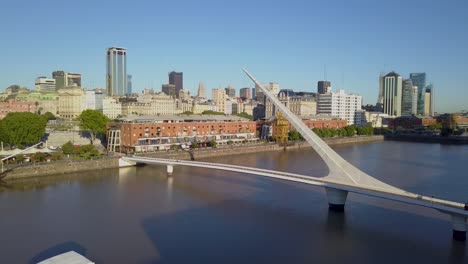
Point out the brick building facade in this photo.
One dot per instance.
(159, 132)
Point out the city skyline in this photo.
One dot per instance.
(355, 53)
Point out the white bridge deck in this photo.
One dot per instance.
(406, 197)
(343, 177)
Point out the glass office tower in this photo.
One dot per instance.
(419, 80)
(116, 78)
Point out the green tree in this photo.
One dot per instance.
(48, 116)
(68, 148)
(245, 115)
(195, 145)
(39, 157)
(22, 129)
(187, 113)
(317, 131)
(230, 142)
(94, 122)
(294, 135)
(88, 151)
(20, 158)
(209, 112)
(213, 143)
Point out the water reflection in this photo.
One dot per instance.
(139, 215)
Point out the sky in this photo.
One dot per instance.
(288, 42)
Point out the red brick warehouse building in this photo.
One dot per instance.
(153, 133)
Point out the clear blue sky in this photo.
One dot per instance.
(288, 42)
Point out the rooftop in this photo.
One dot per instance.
(182, 118)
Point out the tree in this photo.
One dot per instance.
(39, 157)
(94, 122)
(209, 112)
(68, 148)
(187, 113)
(88, 151)
(48, 116)
(195, 144)
(294, 135)
(245, 115)
(213, 143)
(230, 142)
(22, 129)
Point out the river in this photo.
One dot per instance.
(138, 215)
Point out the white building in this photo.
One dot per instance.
(340, 104)
(111, 107)
(392, 92)
(44, 84)
(219, 98)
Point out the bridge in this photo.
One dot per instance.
(343, 177)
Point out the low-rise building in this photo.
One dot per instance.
(13, 105)
(151, 133)
(411, 122)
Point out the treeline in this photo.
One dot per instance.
(22, 129)
(347, 131)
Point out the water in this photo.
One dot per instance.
(137, 215)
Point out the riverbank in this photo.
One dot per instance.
(429, 139)
(69, 166)
(254, 148)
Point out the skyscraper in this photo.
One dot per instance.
(169, 89)
(392, 88)
(419, 80)
(230, 91)
(116, 77)
(201, 93)
(407, 98)
(129, 84)
(177, 79)
(429, 100)
(323, 87)
(245, 93)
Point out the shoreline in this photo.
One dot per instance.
(56, 168)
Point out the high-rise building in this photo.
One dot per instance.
(177, 79)
(245, 93)
(169, 89)
(379, 104)
(407, 98)
(429, 101)
(392, 88)
(201, 93)
(116, 77)
(66, 79)
(323, 87)
(230, 91)
(44, 84)
(340, 104)
(129, 84)
(219, 98)
(419, 80)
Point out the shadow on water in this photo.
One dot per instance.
(58, 249)
(253, 229)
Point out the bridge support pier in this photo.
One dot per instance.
(459, 227)
(336, 199)
(170, 169)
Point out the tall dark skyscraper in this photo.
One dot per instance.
(419, 80)
(177, 79)
(323, 87)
